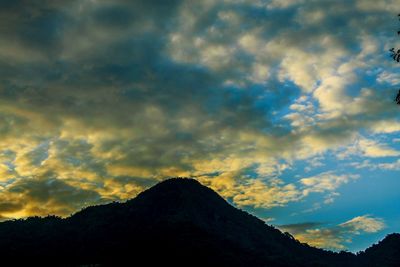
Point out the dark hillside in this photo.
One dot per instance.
(178, 222)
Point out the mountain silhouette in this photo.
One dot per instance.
(385, 253)
(178, 222)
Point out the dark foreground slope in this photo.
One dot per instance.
(178, 222)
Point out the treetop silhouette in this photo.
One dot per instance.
(395, 54)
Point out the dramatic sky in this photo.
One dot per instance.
(284, 107)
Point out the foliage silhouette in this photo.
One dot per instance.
(177, 222)
(395, 54)
(398, 98)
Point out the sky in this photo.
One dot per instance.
(284, 107)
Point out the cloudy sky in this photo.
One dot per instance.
(284, 107)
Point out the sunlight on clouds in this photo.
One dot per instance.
(121, 170)
(336, 236)
(373, 149)
(114, 189)
(327, 181)
(260, 73)
(322, 238)
(38, 196)
(256, 193)
(5, 172)
(331, 95)
(371, 5)
(313, 144)
(386, 126)
(283, 3)
(364, 223)
(253, 98)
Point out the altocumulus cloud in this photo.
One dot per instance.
(101, 99)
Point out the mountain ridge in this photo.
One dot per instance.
(182, 222)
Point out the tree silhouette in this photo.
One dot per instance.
(398, 98)
(395, 54)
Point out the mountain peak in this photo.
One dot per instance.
(181, 195)
(180, 188)
(179, 183)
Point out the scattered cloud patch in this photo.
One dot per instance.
(327, 181)
(335, 237)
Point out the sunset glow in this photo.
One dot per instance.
(283, 107)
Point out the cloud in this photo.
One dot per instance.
(40, 196)
(390, 166)
(386, 126)
(113, 96)
(388, 77)
(300, 227)
(372, 149)
(273, 192)
(327, 181)
(364, 223)
(368, 148)
(255, 193)
(336, 236)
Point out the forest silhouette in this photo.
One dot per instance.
(178, 222)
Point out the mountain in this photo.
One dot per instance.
(178, 222)
(385, 253)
